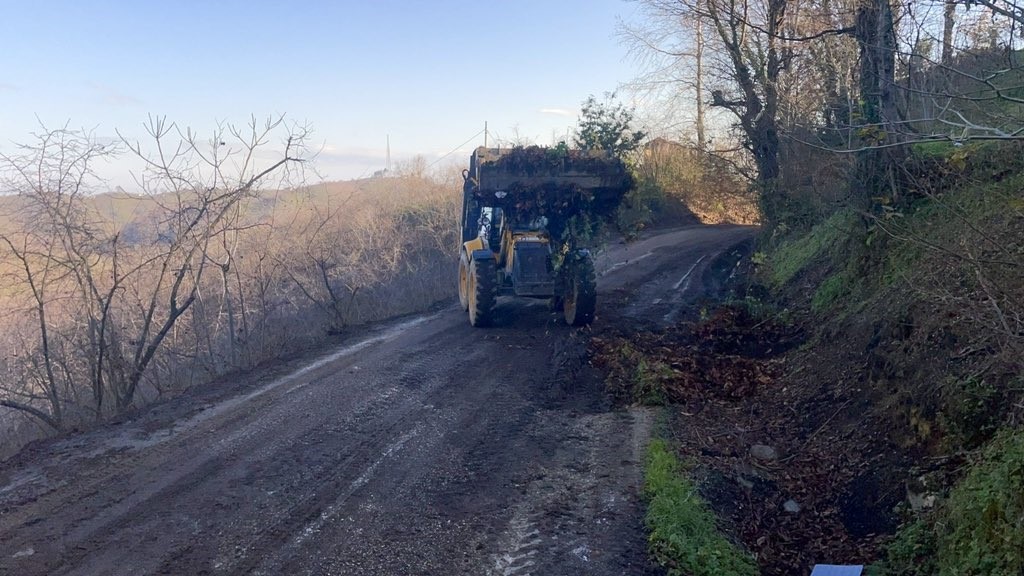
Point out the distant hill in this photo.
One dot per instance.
(136, 216)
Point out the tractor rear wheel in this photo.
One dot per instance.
(482, 291)
(555, 303)
(580, 300)
(463, 282)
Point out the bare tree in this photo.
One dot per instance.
(203, 183)
(862, 78)
(1011, 9)
(55, 251)
(671, 52)
(336, 254)
(948, 20)
(752, 53)
(104, 303)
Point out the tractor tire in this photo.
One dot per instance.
(464, 282)
(482, 291)
(580, 299)
(555, 303)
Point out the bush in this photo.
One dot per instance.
(979, 530)
(983, 532)
(638, 206)
(970, 411)
(912, 552)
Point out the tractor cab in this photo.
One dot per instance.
(524, 257)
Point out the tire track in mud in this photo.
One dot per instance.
(659, 284)
(308, 516)
(124, 448)
(352, 446)
(98, 515)
(571, 517)
(270, 540)
(427, 505)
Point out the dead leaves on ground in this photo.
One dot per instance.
(725, 356)
(725, 376)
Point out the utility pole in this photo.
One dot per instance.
(485, 133)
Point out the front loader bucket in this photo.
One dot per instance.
(547, 180)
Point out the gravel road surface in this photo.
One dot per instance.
(423, 447)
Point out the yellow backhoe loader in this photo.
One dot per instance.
(522, 213)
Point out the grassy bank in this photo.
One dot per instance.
(929, 296)
(684, 537)
(977, 529)
(860, 401)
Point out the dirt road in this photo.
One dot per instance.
(424, 447)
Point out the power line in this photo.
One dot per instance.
(457, 148)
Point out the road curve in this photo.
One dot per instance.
(423, 447)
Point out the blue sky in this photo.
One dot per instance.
(429, 74)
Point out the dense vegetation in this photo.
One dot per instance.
(883, 143)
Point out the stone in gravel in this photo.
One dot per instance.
(791, 507)
(763, 452)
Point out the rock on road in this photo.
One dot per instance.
(423, 447)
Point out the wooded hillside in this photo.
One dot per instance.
(864, 403)
(112, 300)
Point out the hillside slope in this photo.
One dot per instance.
(860, 400)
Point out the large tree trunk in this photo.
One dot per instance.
(757, 111)
(877, 164)
(948, 15)
(766, 155)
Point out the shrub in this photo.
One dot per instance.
(983, 532)
(979, 530)
(912, 552)
(970, 411)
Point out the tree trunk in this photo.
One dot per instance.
(948, 15)
(758, 109)
(876, 174)
(766, 155)
(699, 55)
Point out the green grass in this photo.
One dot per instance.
(970, 413)
(984, 529)
(830, 292)
(760, 310)
(911, 553)
(648, 382)
(683, 535)
(943, 223)
(979, 530)
(932, 150)
(796, 254)
(640, 377)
